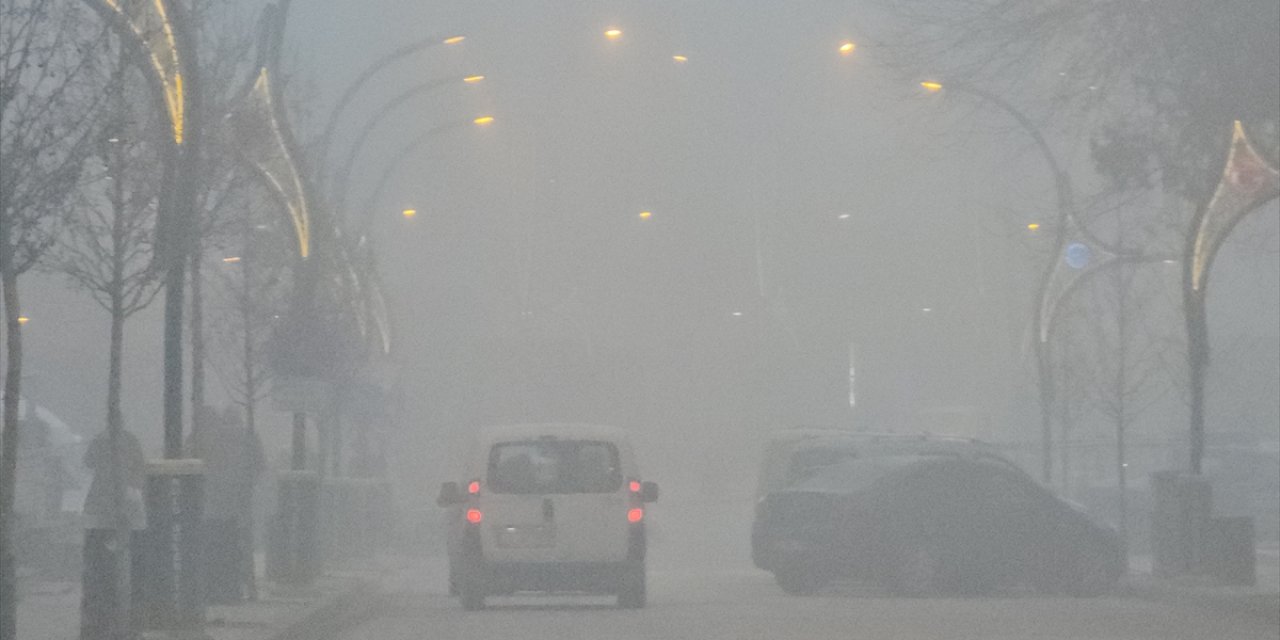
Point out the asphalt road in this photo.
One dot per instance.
(742, 603)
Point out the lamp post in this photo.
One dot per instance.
(377, 65)
(341, 180)
(1247, 182)
(389, 170)
(1066, 214)
(157, 35)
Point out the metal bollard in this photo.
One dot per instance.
(168, 580)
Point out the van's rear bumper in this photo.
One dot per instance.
(590, 577)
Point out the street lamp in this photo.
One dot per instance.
(847, 48)
(377, 65)
(1066, 213)
(397, 160)
(612, 34)
(342, 177)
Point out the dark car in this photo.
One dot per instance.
(928, 521)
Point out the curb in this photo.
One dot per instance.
(334, 614)
(1243, 601)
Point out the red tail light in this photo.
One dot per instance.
(474, 516)
(635, 486)
(635, 515)
(474, 487)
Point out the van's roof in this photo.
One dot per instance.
(512, 432)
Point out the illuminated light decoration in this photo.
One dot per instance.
(473, 487)
(645, 215)
(1247, 181)
(261, 140)
(474, 516)
(473, 79)
(155, 32)
(931, 86)
(409, 213)
(635, 514)
(231, 259)
(483, 120)
(613, 34)
(454, 39)
(847, 48)
(1033, 226)
(680, 58)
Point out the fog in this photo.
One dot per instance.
(805, 213)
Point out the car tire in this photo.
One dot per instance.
(631, 587)
(798, 580)
(917, 572)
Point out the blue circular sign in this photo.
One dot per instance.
(1078, 255)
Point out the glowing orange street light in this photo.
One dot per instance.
(1033, 226)
(679, 58)
(613, 34)
(847, 47)
(931, 86)
(23, 320)
(645, 215)
(454, 39)
(482, 121)
(473, 79)
(409, 213)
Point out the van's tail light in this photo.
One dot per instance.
(474, 516)
(634, 511)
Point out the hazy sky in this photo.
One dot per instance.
(764, 133)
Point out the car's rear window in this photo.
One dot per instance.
(851, 474)
(554, 466)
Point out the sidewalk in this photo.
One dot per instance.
(50, 610)
(1261, 600)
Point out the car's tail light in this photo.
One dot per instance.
(474, 516)
(636, 514)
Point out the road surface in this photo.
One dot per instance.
(741, 603)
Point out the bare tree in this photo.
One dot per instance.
(1155, 85)
(106, 249)
(1124, 334)
(49, 88)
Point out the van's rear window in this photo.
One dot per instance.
(554, 466)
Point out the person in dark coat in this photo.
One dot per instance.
(105, 514)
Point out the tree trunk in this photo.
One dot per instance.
(9, 456)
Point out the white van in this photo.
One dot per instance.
(548, 508)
